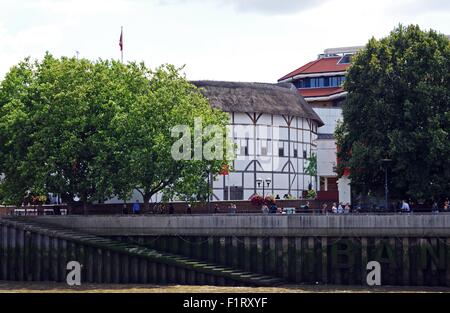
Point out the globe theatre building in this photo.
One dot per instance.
(275, 132)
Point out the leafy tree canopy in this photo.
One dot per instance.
(398, 107)
(99, 129)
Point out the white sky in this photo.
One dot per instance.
(241, 40)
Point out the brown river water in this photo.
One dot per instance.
(39, 287)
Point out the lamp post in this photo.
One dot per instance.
(268, 181)
(386, 163)
(260, 181)
(209, 189)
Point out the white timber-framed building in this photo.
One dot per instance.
(275, 131)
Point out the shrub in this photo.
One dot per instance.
(257, 200)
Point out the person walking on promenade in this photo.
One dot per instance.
(306, 207)
(446, 205)
(273, 208)
(334, 208)
(405, 207)
(435, 208)
(324, 208)
(136, 207)
(340, 209)
(265, 209)
(347, 208)
(232, 208)
(189, 209)
(216, 208)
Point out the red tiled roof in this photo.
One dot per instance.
(320, 92)
(324, 65)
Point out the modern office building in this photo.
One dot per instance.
(320, 83)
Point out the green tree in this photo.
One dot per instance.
(96, 129)
(311, 168)
(55, 119)
(398, 107)
(145, 139)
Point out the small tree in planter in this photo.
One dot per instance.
(257, 200)
(311, 194)
(269, 200)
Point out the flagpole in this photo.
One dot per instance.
(121, 36)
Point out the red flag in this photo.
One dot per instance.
(121, 40)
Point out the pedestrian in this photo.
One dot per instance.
(405, 206)
(340, 209)
(189, 209)
(216, 208)
(306, 207)
(347, 208)
(273, 208)
(446, 205)
(136, 207)
(435, 208)
(324, 208)
(334, 208)
(265, 209)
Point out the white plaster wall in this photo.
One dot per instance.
(278, 120)
(242, 118)
(344, 190)
(326, 157)
(329, 116)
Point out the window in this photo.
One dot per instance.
(304, 154)
(333, 81)
(295, 153)
(263, 147)
(320, 82)
(281, 151)
(244, 147)
(236, 193)
(306, 83)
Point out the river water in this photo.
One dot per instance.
(40, 287)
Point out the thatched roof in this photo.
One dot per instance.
(282, 98)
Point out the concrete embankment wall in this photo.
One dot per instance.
(31, 251)
(412, 249)
(423, 225)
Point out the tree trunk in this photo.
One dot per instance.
(146, 205)
(85, 207)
